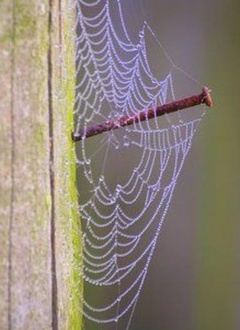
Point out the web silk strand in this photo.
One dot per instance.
(127, 176)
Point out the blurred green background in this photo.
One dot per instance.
(193, 280)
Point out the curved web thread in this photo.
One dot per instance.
(127, 177)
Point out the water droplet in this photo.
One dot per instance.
(126, 141)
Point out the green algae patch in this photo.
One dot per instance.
(68, 228)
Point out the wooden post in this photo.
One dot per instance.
(40, 246)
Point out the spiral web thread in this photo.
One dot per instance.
(126, 177)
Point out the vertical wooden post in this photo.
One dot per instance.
(40, 247)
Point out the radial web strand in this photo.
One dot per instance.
(126, 177)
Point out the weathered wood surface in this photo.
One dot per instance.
(39, 234)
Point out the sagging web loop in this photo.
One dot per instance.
(126, 177)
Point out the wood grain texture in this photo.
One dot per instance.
(5, 154)
(68, 231)
(26, 204)
(25, 187)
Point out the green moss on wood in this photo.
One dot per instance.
(67, 201)
(32, 200)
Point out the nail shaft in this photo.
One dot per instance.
(203, 98)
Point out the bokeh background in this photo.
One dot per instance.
(193, 280)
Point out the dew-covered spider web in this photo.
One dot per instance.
(126, 177)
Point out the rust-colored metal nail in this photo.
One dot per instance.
(203, 98)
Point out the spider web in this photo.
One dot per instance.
(126, 177)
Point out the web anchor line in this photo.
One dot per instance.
(126, 120)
